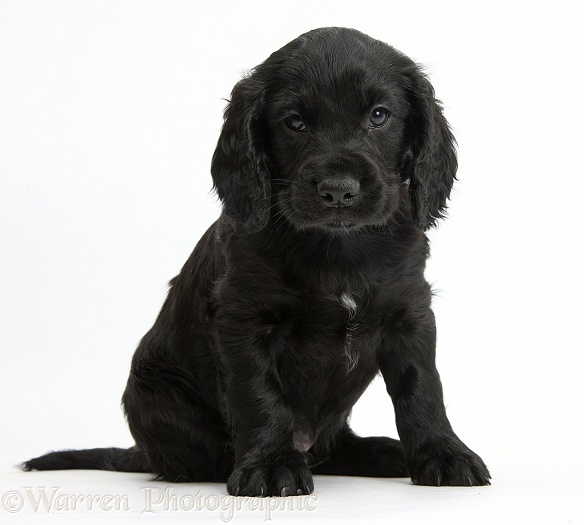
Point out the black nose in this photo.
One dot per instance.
(338, 192)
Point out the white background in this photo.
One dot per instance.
(109, 115)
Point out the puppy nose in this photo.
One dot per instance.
(338, 192)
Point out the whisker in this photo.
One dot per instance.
(282, 180)
(283, 201)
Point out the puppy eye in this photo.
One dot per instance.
(295, 123)
(378, 117)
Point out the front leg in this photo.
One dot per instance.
(266, 462)
(261, 421)
(434, 454)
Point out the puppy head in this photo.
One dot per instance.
(328, 132)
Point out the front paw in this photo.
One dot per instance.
(270, 480)
(445, 463)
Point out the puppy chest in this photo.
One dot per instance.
(329, 337)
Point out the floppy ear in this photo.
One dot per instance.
(240, 174)
(433, 163)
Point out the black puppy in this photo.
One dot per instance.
(333, 159)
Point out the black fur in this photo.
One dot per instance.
(309, 284)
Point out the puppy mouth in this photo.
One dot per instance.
(340, 224)
(342, 220)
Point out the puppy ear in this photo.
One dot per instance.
(239, 171)
(432, 158)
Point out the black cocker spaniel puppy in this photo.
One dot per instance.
(333, 160)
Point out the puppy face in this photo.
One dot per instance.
(335, 131)
(335, 138)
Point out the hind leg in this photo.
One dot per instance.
(181, 435)
(378, 457)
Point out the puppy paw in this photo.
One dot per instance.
(440, 465)
(270, 480)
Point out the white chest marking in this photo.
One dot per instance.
(350, 305)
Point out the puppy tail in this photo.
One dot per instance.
(118, 459)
